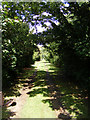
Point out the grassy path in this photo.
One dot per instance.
(30, 103)
(45, 94)
(35, 106)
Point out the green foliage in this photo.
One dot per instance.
(17, 48)
(67, 42)
(36, 54)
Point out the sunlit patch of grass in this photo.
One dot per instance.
(45, 66)
(35, 108)
(40, 65)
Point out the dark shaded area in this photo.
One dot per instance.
(13, 86)
(12, 90)
(6, 114)
(13, 104)
(72, 96)
(65, 117)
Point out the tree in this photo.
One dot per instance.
(67, 42)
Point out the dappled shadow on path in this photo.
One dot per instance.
(14, 92)
(39, 85)
(65, 98)
(25, 77)
(44, 86)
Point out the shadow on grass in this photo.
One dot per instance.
(13, 86)
(6, 114)
(43, 91)
(13, 89)
(39, 85)
(63, 94)
(60, 93)
(73, 97)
